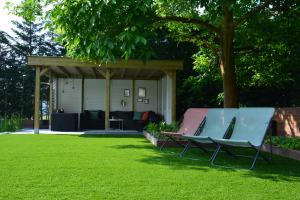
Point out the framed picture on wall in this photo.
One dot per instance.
(126, 92)
(139, 99)
(146, 101)
(142, 92)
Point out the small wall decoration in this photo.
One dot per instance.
(142, 92)
(139, 99)
(146, 101)
(123, 103)
(126, 92)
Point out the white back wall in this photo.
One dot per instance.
(94, 94)
(151, 94)
(117, 88)
(69, 95)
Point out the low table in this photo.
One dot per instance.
(121, 122)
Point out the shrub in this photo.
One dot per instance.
(153, 129)
(285, 142)
(163, 126)
(11, 124)
(156, 128)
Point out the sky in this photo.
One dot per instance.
(5, 17)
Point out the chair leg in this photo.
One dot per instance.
(271, 148)
(268, 160)
(255, 158)
(214, 156)
(186, 148)
(163, 144)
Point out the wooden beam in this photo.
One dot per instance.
(43, 71)
(79, 71)
(107, 98)
(129, 64)
(50, 99)
(101, 72)
(137, 73)
(151, 73)
(65, 71)
(123, 72)
(115, 77)
(112, 73)
(54, 74)
(95, 72)
(37, 100)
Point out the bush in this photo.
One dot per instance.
(11, 124)
(285, 142)
(156, 128)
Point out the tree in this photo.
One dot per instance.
(5, 62)
(16, 76)
(105, 30)
(31, 39)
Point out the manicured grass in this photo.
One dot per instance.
(128, 167)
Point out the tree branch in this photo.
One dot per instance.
(252, 12)
(203, 23)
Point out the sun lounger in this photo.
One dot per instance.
(249, 131)
(217, 123)
(193, 118)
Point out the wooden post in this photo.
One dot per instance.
(173, 96)
(82, 94)
(50, 99)
(107, 98)
(37, 100)
(133, 95)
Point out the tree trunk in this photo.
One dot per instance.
(227, 62)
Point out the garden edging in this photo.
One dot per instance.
(289, 153)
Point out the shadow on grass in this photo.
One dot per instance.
(280, 169)
(110, 136)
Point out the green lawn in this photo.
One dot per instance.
(128, 167)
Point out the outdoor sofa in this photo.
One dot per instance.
(93, 120)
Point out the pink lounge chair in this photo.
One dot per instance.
(193, 120)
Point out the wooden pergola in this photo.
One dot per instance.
(63, 67)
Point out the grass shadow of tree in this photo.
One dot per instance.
(280, 169)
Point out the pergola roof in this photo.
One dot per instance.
(63, 67)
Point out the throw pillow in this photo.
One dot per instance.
(137, 116)
(145, 116)
(152, 117)
(101, 114)
(87, 115)
(94, 115)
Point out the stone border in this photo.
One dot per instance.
(151, 138)
(289, 153)
(157, 142)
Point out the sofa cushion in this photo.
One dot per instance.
(93, 115)
(86, 114)
(122, 114)
(101, 114)
(137, 116)
(145, 116)
(153, 117)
